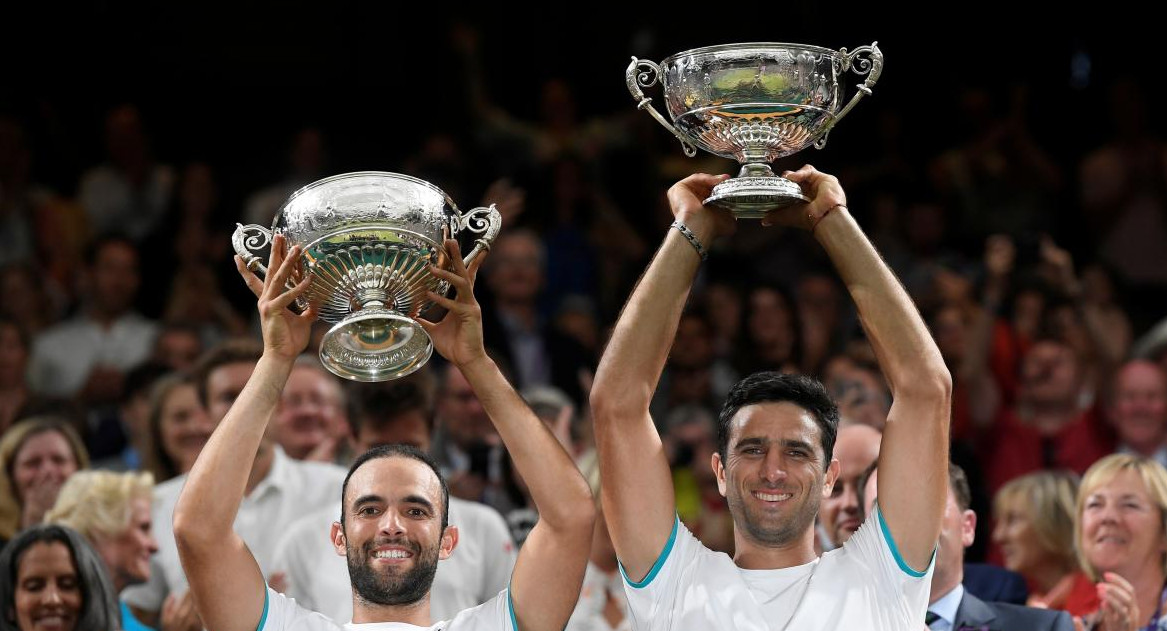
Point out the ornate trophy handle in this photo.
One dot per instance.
(482, 221)
(870, 65)
(637, 78)
(246, 246)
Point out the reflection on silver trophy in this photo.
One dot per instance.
(369, 239)
(754, 103)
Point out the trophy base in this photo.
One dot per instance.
(754, 197)
(375, 344)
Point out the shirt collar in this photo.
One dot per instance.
(278, 477)
(948, 604)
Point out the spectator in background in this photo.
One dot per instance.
(26, 301)
(397, 413)
(841, 514)
(17, 400)
(514, 326)
(88, 356)
(1138, 410)
(310, 422)
(279, 489)
(1047, 428)
(178, 427)
(693, 375)
(178, 346)
(772, 337)
(38, 455)
(37, 227)
(466, 445)
(1123, 188)
(112, 512)
(950, 605)
(129, 193)
(134, 414)
(1035, 531)
(689, 437)
(1121, 534)
(73, 586)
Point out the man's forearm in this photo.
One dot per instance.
(904, 347)
(635, 356)
(556, 486)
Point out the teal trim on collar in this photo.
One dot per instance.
(660, 561)
(511, 609)
(895, 552)
(263, 616)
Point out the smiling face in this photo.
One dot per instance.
(44, 458)
(1121, 525)
(1021, 548)
(184, 426)
(48, 591)
(1139, 410)
(773, 476)
(127, 555)
(392, 533)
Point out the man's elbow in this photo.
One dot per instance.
(934, 383)
(609, 402)
(190, 532)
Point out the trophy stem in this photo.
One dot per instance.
(756, 169)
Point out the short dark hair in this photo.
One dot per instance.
(381, 404)
(99, 608)
(233, 351)
(97, 245)
(958, 482)
(398, 451)
(775, 387)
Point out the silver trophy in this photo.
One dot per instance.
(754, 103)
(369, 239)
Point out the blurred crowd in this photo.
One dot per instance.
(125, 335)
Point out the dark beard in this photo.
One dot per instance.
(790, 529)
(391, 589)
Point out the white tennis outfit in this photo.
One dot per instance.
(865, 584)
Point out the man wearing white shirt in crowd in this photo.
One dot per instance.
(1138, 410)
(89, 355)
(776, 435)
(279, 489)
(311, 422)
(388, 414)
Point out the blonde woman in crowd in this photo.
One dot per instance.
(1035, 531)
(112, 511)
(36, 457)
(1122, 542)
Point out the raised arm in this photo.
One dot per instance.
(636, 487)
(228, 587)
(549, 572)
(913, 458)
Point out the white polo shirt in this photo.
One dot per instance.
(864, 584)
(479, 568)
(281, 613)
(63, 356)
(291, 489)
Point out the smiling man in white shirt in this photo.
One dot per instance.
(775, 439)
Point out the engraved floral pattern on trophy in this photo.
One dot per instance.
(753, 106)
(368, 239)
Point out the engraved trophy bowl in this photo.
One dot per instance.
(369, 238)
(754, 103)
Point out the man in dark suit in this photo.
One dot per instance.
(951, 607)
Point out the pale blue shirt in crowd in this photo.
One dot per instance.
(946, 608)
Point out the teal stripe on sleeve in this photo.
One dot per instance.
(660, 561)
(263, 616)
(895, 552)
(511, 609)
